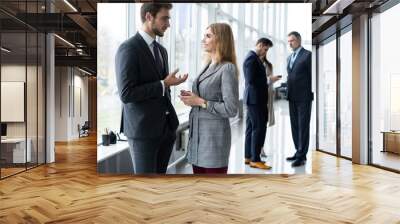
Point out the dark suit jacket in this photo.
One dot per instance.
(299, 77)
(256, 87)
(140, 90)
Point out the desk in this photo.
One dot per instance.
(105, 152)
(16, 147)
(114, 159)
(391, 141)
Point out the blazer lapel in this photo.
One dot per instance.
(260, 63)
(195, 88)
(209, 72)
(297, 58)
(148, 54)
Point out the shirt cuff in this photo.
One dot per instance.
(163, 87)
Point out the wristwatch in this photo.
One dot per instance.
(204, 105)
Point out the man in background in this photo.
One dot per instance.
(300, 97)
(256, 100)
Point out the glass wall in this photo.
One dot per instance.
(31, 96)
(186, 44)
(335, 78)
(346, 94)
(327, 96)
(22, 93)
(183, 43)
(385, 89)
(13, 87)
(110, 36)
(41, 97)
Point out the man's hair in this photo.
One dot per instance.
(153, 9)
(265, 41)
(296, 34)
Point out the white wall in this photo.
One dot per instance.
(61, 103)
(12, 73)
(17, 73)
(80, 89)
(70, 84)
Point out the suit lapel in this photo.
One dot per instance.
(165, 71)
(260, 64)
(164, 56)
(297, 58)
(148, 54)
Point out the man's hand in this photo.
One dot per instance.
(172, 80)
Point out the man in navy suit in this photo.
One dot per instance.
(256, 100)
(300, 97)
(144, 81)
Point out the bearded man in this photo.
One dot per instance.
(144, 81)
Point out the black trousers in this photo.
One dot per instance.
(152, 155)
(300, 115)
(256, 129)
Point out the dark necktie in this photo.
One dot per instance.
(159, 64)
(157, 57)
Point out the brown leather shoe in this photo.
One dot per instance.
(247, 161)
(259, 165)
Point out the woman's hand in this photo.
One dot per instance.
(275, 78)
(191, 99)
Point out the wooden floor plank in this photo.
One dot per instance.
(71, 191)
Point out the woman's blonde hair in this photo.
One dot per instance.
(225, 44)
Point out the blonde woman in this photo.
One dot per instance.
(214, 99)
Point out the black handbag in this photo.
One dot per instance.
(113, 138)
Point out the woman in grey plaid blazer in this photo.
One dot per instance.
(214, 99)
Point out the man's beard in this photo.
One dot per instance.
(156, 31)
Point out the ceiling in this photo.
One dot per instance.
(330, 15)
(76, 22)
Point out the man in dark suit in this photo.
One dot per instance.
(150, 120)
(256, 99)
(300, 97)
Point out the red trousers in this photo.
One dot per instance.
(202, 170)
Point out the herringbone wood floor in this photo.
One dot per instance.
(70, 191)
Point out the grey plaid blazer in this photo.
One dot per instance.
(210, 133)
